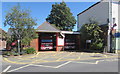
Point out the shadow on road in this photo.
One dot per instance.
(85, 50)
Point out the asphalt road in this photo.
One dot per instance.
(66, 66)
(88, 65)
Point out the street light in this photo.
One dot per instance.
(109, 26)
(18, 46)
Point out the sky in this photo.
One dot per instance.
(40, 10)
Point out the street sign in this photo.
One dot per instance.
(88, 41)
(117, 34)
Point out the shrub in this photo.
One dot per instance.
(8, 53)
(14, 50)
(97, 46)
(30, 50)
(23, 52)
(15, 54)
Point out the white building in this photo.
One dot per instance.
(101, 13)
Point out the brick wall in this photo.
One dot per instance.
(2, 44)
(34, 44)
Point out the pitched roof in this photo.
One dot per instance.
(96, 4)
(47, 27)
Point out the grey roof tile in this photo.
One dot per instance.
(46, 27)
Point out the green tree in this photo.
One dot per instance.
(61, 16)
(21, 25)
(92, 31)
(3, 34)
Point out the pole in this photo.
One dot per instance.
(19, 46)
(109, 26)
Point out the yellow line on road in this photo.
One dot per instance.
(80, 56)
(37, 61)
(13, 61)
(65, 56)
(38, 53)
(59, 59)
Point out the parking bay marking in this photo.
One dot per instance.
(49, 61)
(65, 56)
(96, 62)
(41, 66)
(19, 68)
(61, 64)
(5, 70)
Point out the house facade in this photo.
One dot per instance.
(100, 12)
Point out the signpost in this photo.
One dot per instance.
(87, 42)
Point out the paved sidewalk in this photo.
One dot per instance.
(43, 57)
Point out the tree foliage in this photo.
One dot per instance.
(3, 34)
(61, 16)
(92, 31)
(21, 24)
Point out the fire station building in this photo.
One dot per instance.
(51, 38)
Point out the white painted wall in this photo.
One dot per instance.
(119, 15)
(115, 13)
(98, 12)
(118, 39)
(60, 41)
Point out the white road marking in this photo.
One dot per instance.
(96, 62)
(44, 66)
(63, 64)
(39, 66)
(7, 69)
(112, 60)
(53, 66)
(85, 62)
(19, 68)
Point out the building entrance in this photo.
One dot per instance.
(47, 41)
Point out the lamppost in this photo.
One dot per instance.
(109, 26)
(18, 46)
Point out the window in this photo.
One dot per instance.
(46, 40)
